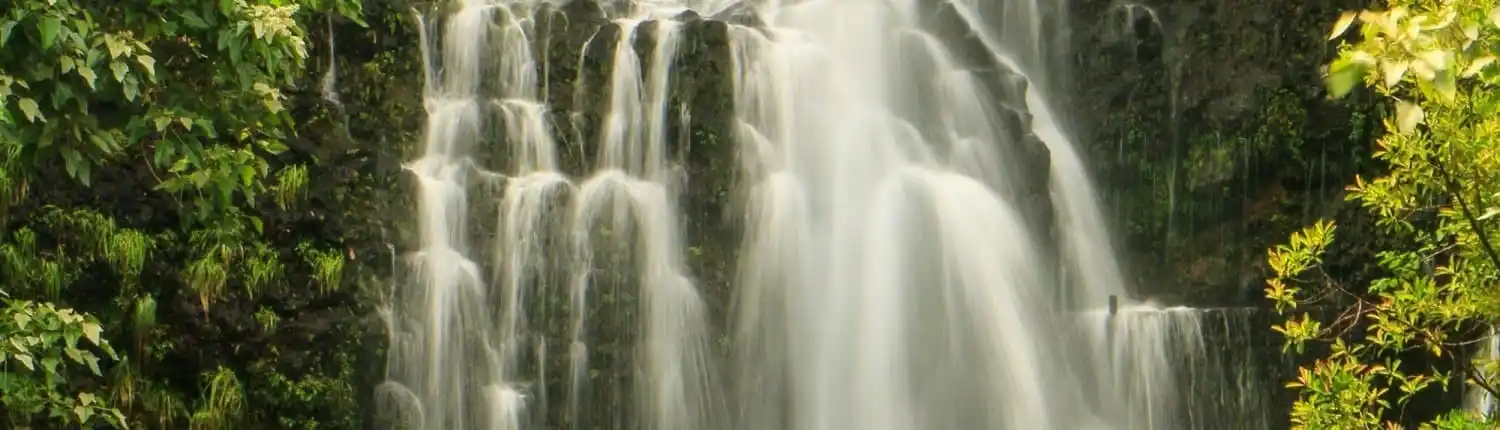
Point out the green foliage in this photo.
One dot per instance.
(306, 401)
(185, 103)
(39, 354)
(1435, 63)
(223, 402)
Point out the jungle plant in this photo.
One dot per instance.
(1434, 62)
(186, 103)
(43, 348)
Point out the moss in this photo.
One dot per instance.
(1209, 153)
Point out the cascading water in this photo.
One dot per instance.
(887, 277)
(1191, 368)
(886, 284)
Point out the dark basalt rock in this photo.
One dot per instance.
(1221, 107)
(741, 13)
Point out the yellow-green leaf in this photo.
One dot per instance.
(1408, 116)
(1438, 59)
(1495, 16)
(29, 108)
(92, 331)
(1478, 65)
(88, 76)
(161, 122)
(120, 70)
(25, 360)
(1343, 75)
(1445, 85)
(116, 46)
(1394, 70)
(1345, 20)
(147, 63)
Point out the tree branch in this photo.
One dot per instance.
(1453, 189)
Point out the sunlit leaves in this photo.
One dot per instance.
(1342, 26)
(1477, 65)
(1346, 73)
(1408, 116)
(29, 109)
(189, 98)
(43, 341)
(1435, 63)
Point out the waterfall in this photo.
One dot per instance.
(1478, 400)
(1189, 368)
(889, 272)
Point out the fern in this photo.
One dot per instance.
(290, 183)
(327, 266)
(223, 403)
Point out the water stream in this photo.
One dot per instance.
(888, 276)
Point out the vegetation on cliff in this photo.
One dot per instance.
(1437, 201)
(150, 172)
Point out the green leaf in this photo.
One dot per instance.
(1343, 75)
(1408, 116)
(1445, 84)
(1394, 70)
(194, 20)
(29, 108)
(71, 161)
(48, 26)
(93, 363)
(100, 141)
(275, 147)
(131, 89)
(1478, 65)
(1495, 16)
(25, 360)
(83, 413)
(163, 153)
(1345, 20)
(21, 320)
(85, 173)
(120, 70)
(115, 45)
(161, 123)
(91, 332)
(149, 64)
(50, 364)
(88, 76)
(5, 30)
(206, 126)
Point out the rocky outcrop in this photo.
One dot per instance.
(1212, 136)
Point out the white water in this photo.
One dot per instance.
(1190, 368)
(1479, 400)
(886, 279)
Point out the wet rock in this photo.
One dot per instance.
(741, 13)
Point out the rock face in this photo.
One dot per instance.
(1212, 136)
(573, 44)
